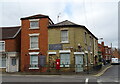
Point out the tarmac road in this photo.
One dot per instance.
(110, 76)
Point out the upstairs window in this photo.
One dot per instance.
(2, 46)
(64, 36)
(106, 50)
(34, 24)
(33, 42)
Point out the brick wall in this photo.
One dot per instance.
(25, 41)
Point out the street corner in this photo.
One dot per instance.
(103, 71)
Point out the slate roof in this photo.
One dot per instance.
(36, 17)
(10, 32)
(65, 23)
(68, 24)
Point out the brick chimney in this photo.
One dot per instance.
(102, 43)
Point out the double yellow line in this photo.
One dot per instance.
(103, 71)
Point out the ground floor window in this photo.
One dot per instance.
(64, 60)
(33, 61)
(3, 62)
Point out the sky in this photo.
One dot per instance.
(99, 16)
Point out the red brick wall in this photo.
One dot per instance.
(115, 53)
(25, 41)
(13, 45)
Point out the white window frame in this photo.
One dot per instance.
(4, 47)
(34, 20)
(65, 65)
(67, 36)
(33, 53)
(35, 34)
(106, 51)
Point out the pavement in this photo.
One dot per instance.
(91, 72)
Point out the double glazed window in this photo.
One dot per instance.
(2, 45)
(33, 61)
(34, 24)
(3, 62)
(65, 60)
(64, 36)
(34, 42)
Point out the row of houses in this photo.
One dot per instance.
(105, 52)
(40, 45)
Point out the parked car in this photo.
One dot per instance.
(115, 61)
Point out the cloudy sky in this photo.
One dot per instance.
(99, 16)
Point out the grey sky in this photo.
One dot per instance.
(100, 17)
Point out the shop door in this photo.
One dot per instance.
(78, 63)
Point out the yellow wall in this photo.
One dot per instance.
(76, 36)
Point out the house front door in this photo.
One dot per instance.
(13, 65)
(78, 63)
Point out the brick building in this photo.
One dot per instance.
(10, 48)
(104, 52)
(34, 42)
(116, 53)
(73, 44)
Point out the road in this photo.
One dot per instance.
(110, 76)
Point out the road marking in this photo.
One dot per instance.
(102, 72)
(116, 81)
(99, 82)
(86, 81)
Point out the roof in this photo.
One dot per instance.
(36, 17)
(10, 32)
(67, 23)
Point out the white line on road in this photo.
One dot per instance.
(86, 81)
(99, 81)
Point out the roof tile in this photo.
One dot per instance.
(9, 32)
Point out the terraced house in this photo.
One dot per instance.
(73, 44)
(105, 52)
(10, 49)
(34, 42)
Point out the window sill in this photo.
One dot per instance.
(3, 67)
(34, 49)
(64, 66)
(34, 28)
(34, 68)
(64, 41)
(2, 51)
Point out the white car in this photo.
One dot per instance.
(115, 61)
